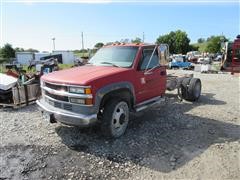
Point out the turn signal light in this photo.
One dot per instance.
(89, 101)
(88, 91)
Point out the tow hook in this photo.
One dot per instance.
(48, 117)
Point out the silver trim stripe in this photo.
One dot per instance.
(64, 93)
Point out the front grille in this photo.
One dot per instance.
(56, 87)
(57, 97)
(57, 105)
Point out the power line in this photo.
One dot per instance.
(53, 39)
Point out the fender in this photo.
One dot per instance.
(112, 87)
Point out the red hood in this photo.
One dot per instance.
(82, 75)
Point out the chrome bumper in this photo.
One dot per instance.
(67, 117)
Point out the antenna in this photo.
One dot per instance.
(82, 41)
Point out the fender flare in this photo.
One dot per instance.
(113, 87)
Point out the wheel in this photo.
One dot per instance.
(115, 118)
(194, 89)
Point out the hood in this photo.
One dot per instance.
(82, 75)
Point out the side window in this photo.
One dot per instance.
(146, 55)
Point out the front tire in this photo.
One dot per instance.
(115, 118)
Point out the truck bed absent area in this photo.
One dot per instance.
(177, 140)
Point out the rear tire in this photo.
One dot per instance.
(194, 89)
(184, 88)
(115, 118)
(191, 89)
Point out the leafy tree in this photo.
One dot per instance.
(31, 50)
(99, 45)
(214, 43)
(7, 52)
(193, 48)
(178, 41)
(136, 40)
(201, 40)
(17, 49)
(124, 41)
(83, 51)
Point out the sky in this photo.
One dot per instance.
(33, 24)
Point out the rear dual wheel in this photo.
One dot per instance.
(191, 89)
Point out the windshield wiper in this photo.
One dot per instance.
(110, 64)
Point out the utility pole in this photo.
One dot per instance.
(53, 39)
(143, 37)
(82, 41)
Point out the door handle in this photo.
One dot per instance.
(163, 73)
(148, 73)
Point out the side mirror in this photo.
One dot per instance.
(163, 51)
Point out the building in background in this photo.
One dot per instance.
(24, 58)
(68, 57)
(38, 56)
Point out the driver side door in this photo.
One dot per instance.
(152, 76)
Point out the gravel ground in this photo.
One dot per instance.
(184, 140)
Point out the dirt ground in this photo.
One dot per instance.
(179, 140)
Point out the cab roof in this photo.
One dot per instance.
(129, 44)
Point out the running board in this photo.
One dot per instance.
(149, 103)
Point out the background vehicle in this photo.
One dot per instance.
(119, 79)
(231, 56)
(179, 61)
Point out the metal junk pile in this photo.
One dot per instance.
(19, 88)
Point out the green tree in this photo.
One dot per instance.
(178, 41)
(99, 45)
(18, 49)
(32, 50)
(83, 51)
(214, 44)
(136, 40)
(201, 40)
(7, 52)
(193, 47)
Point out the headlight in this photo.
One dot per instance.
(76, 90)
(79, 90)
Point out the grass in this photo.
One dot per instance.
(65, 66)
(81, 54)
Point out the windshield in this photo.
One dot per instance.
(115, 56)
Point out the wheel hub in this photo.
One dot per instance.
(120, 116)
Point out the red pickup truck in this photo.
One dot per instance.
(118, 79)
